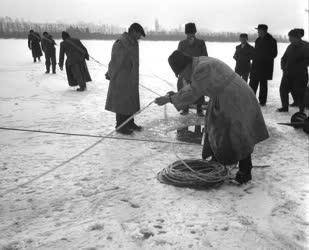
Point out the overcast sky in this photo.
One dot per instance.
(214, 15)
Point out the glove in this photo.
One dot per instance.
(107, 77)
(87, 57)
(170, 93)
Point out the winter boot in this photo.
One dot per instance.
(244, 173)
(125, 131)
(135, 127)
(54, 69)
(243, 178)
(294, 104)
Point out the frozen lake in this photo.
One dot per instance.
(109, 197)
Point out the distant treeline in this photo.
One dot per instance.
(10, 28)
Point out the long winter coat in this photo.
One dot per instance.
(34, 40)
(123, 70)
(76, 67)
(243, 57)
(295, 59)
(265, 52)
(234, 121)
(48, 45)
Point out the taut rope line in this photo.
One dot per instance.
(75, 156)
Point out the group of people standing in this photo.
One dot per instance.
(258, 61)
(235, 123)
(76, 53)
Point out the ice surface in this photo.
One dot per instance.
(109, 197)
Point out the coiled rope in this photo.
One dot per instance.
(194, 173)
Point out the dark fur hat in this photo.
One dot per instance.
(138, 28)
(179, 61)
(190, 28)
(262, 27)
(294, 33)
(65, 35)
(301, 32)
(243, 35)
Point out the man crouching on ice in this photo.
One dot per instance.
(234, 122)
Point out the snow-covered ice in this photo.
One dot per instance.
(109, 198)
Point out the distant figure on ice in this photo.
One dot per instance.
(192, 47)
(294, 65)
(234, 121)
(75, 65)
(34, 40)
(243, 56)
(123, 73)
(48, 47)
(262, 69)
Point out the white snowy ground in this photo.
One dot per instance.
(109, 197)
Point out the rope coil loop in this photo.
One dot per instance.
(194, 173)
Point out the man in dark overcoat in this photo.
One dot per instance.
(243, 56)
(294, 65)
(123, 73)
(48, 47)
(191, 46)
(301, 34)
(75, 65)
(265, 52)
(34, 40)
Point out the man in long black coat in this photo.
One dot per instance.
(75, 65)
(48, 46)
(301, 33)
(265, 52)
(243, 56)
(34, 40)
(192, 46)
(294, 64)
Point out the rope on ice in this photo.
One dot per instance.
(75, 156)
(194, 173)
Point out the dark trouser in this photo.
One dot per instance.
(298, 84)
(243, 75)
(120, 119)
(307, 98)
(245, 165)
(50, 59)
(199, 104)
(284, 90)
(263, 89)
